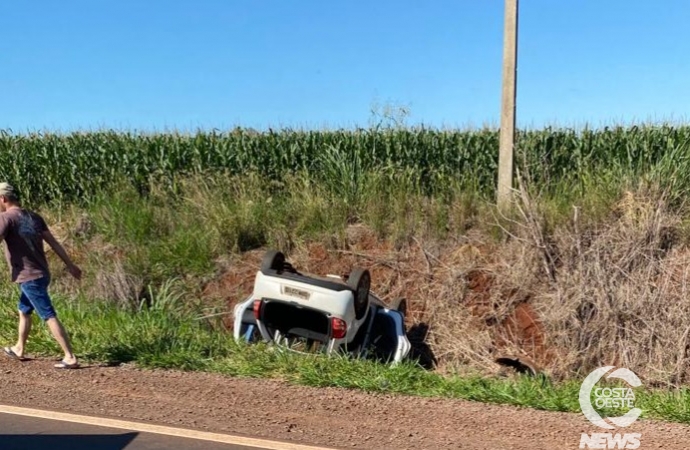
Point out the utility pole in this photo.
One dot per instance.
(507, 137)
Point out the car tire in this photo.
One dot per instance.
(360, 283)
(273, 261)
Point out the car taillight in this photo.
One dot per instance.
(338, 328)
(257, 309)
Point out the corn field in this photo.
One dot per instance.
(75, 167)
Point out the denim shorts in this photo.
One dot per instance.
(35, 297)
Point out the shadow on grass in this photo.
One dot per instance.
(421, 352)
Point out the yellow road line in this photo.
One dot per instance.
(157, 429)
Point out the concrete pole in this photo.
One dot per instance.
(507, 137)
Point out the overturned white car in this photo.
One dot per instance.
(331, 313)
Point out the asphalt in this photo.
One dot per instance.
(30, 433)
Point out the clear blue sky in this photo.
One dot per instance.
(183, 64)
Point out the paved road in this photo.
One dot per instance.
(29, 433)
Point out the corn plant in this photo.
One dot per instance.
(75, 167)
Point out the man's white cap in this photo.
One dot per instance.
(7, 189)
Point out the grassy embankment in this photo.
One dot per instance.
(153, 218)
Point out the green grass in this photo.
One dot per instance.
(165, 335)
(162, 236)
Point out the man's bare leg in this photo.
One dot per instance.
(23, 332)
(60, 336)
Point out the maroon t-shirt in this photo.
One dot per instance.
(22, 231)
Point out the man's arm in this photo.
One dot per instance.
(55, 245)
(3, 226)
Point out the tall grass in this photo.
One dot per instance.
(127, 242)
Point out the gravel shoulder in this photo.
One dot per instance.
(331, 417)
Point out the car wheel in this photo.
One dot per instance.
(360, 282)
(273, 260)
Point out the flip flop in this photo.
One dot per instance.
(64, 365)
(10, 353)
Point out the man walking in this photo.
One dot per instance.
(24, 232)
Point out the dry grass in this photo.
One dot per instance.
(621, 294)
(113, 283)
